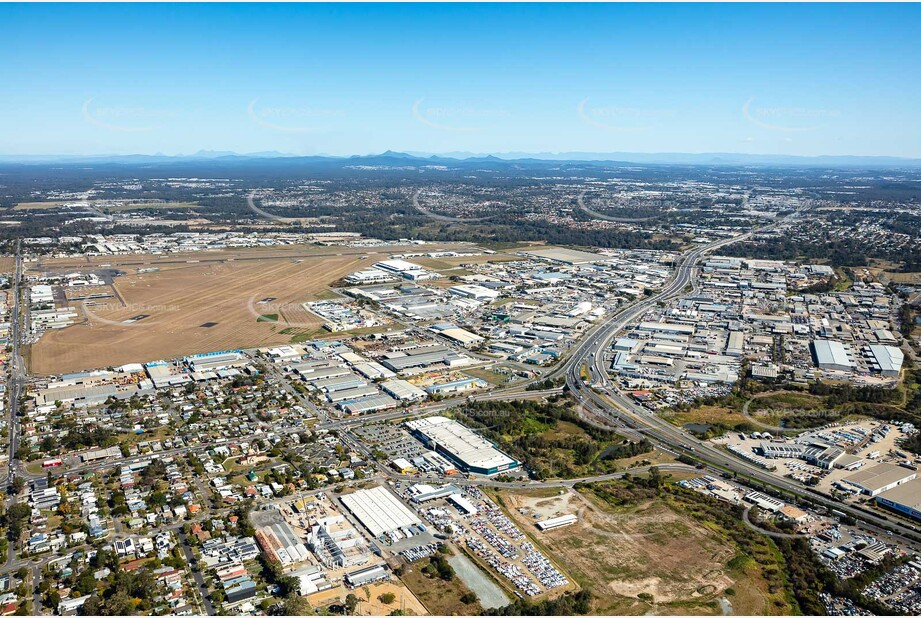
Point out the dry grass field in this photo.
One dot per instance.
(907, 278)
(38, 205)
(188, 292)
(7, 264)
(149, 206)
(138, 205)
(440, 598)
(624, 554)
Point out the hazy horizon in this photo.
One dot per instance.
(571, 156)
(340, 80)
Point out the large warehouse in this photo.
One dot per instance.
(886, 360)
(879, 478)
(277, 539)
(905, 499)
(379, 511)
(832, 355)
(467, 449)
(565, 256)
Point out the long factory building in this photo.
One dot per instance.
(379, 511)
(465, 448)
(904, 498)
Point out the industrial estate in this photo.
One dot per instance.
(286, 421)
(563, 368)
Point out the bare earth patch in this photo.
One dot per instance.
(221, 289)
(620, 554)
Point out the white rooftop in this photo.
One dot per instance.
(462, 442)
(379, 510)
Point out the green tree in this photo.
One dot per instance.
(387, 598)
(351, 603)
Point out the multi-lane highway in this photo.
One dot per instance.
(600, 398)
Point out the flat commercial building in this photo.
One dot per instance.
(666, 327)
(456, 386)
(367, 575)
(371, 275)
(831, 355)
(461, 336)
(566, 256)
(365, 405)
(735, 343)
(763, 501)
(379, 511)
(373, 370)
(239, 592)
(70, 394)
(467, 449)
(905, 499)
(102, 453)
(476, 292)
(212, 361)
(339, 383)
(446, 357)
(880, 478)
(403, 390)
(557, 522)
(397, 266)
(349, 394)
(312, 369)
(462, 504)
(773, 450)
(887, 360)
(278, 540)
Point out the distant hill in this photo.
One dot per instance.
(394, 158)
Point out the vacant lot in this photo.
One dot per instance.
(716, 415)
(148, 206)
(644, 558)
(194, 303)
(909, 278)
(454, 263)
(440, 598)
(38, 205)
(372, 605)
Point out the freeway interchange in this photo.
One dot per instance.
(600, 398)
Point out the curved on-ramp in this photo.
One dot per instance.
(445, 218)
(594, 213)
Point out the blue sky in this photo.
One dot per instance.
(355, 79)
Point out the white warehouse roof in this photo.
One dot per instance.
(463, 443)
(397, 265)
(831, 353)
(889, 358)
(379, 511)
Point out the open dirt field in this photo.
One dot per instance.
(135, 205)
(149, 206)
(905, 277)
(371, 605)
(647, 549)
(196, 303)
(7, 264)
(440, 598)
(38, 205)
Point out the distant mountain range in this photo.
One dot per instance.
(420, 158)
